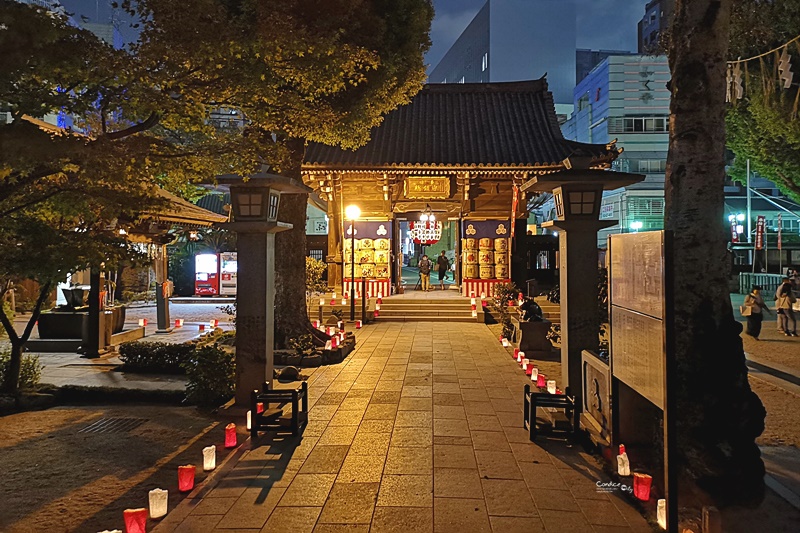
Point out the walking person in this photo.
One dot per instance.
(425, 266)
(444, 264)
(784, 304)
(753, 310)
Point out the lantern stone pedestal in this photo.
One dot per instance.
(577, 194)
(255, 202)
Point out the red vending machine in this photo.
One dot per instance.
(227, 271)
(206, 277)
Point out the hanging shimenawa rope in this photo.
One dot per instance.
(777, 49)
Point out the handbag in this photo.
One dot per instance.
(745, 310)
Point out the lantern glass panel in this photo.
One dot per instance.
(274, 201)
(558, 200)
(250, 204)
(582, 202)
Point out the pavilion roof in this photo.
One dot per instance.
(511, 124)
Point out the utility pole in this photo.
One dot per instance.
(749, 218)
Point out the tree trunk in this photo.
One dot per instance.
(10, 384)
(291, 315)
(719, 417)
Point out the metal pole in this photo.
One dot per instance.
(353, 272)
(363, 300)
(750, 253)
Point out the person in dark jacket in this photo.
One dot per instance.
(443, 264)
(754, 305)
(425, 266)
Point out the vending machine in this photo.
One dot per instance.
(227, 271)
(206, 280)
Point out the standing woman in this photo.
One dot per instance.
(784, 304)
(754, 305)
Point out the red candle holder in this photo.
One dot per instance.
(358, 324)
(333, 301)
(377, 313)
(186, 478)
(641, 486)
(516, 352)
(529, 370)
(202, 327)
(474, 307)
(259, 407)
(136, 519)
(541, 381)
(230, 435)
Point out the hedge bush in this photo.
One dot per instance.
(30, 371)
(154, 357)
(212, 376)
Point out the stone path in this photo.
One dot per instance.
(418, 431)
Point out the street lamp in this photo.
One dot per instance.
(636, 225)
(352, 212)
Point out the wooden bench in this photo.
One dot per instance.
(560, 408)
(270, 419)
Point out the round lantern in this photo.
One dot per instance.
(425, 232)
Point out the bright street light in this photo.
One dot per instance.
(636, 225)
(352, 212)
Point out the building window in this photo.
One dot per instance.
(461, 80)
(316, 254)
(645, 125)
(274, 200)
(558, 201)
(485, 62)
(652, 166)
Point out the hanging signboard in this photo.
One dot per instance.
(760, 223)
(780, 230)
(427, 188)
(734, 233)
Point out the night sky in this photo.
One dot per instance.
(608, 24)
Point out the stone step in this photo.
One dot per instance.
(425, 318)
(423, 312)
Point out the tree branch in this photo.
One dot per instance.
(145, 125)
(37, 310)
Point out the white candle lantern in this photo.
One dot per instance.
(377, 307)
(210, 453)
(214, 323)
(358, 324)
(505, 342)
(519, 358)
(551, 386)
(159, 500)
(661, 513)
(474, 313)
(344, 301)
(525, 363)
(322, 302)
(534, 374)
(142, 322)
(473, 301)
(483, 296)
(329, 345)
(333, 296)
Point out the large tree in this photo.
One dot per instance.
(719, 417)
(764, 126)
(299, 71)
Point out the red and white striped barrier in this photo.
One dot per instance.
(375, 287)
(480, 286)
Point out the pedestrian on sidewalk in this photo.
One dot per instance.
(425, 266)
(444, 264)
(753, 310)
(784, 303)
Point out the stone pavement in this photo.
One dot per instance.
(419, 430)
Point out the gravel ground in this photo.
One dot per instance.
(58, 479)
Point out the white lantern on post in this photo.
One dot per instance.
(159, 500)
(551, 386)
(210, 453)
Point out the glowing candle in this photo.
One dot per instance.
(142, 321)
(534, 373)
(525, 363)
(541, 380)
(551, 386)
(641, 486)
(358, 324)
(178, 322)
(210, 456)
(661, 513)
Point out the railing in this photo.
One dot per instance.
(768, 282)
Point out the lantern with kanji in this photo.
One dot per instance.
(135, 520)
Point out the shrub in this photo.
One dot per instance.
(154, 357)
(303, 345)
(211, 374)
(30, 372)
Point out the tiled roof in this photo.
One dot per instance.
(486, 124)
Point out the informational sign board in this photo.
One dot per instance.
(638, 347)
(637, 264)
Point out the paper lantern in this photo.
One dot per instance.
(214, 323)
(483, 296)
(516, 352)
(334, 342)
(340, 325)
(534, 373)
(505, 342)
(344, 301)
(623, 464)
(186, 478)
(472, 295)
(135, 520)
(551, 386)
(541, 381)
(519, 358)
(329, 345)
(249, 420)
(322, 302)
(529, 370)
(230, 435)
(202, 327)
(315, 323)
(159, 500)
(379, 300)
(333, 301)
(358, 324)
(142, 321)
(474, 313)
(260, 407)
(331, 330)
(661, 513)
(473, 301)
(483, 303)
(333, 295)
(178, 322)
(377, 313)
(525, 363)
(474, 307)
(641, 486)
(377, 306)
(210, 456)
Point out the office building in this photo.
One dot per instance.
(514, 40)
(656, 21)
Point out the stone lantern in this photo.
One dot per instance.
(577, 194)
(255, 204)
